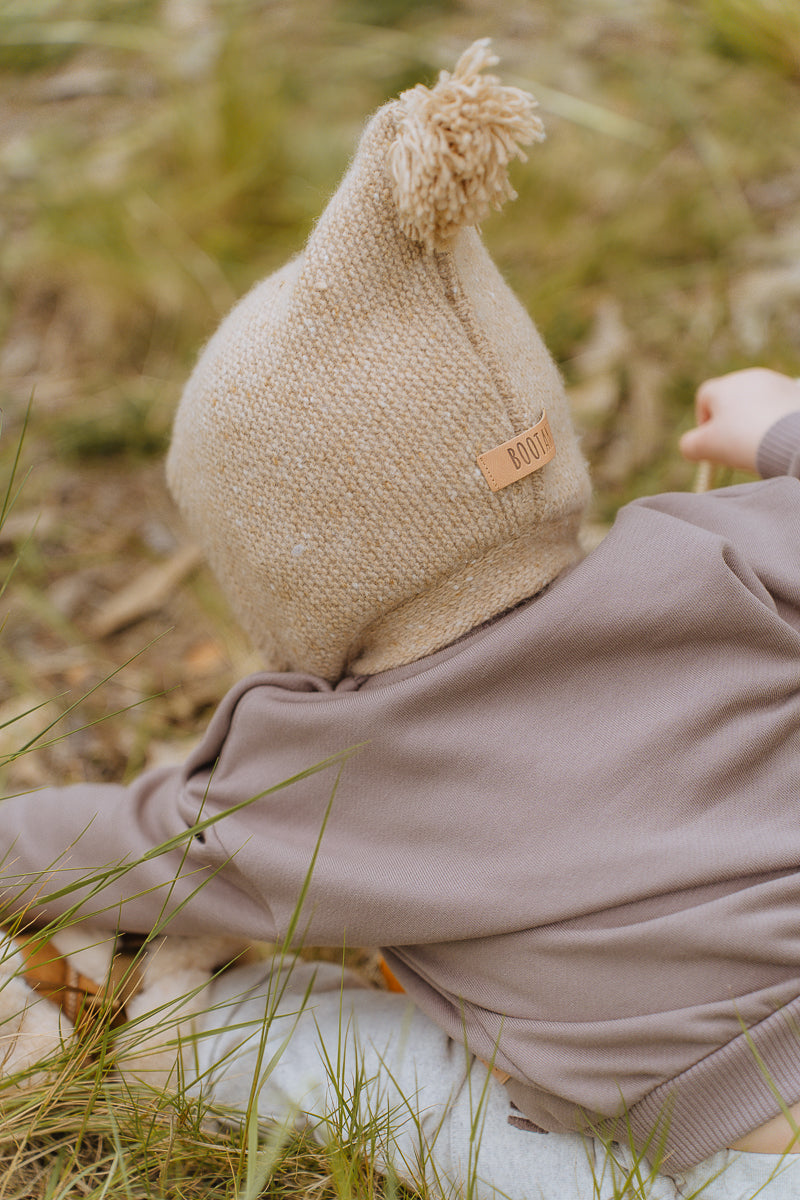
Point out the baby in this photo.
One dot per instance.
(560, 794)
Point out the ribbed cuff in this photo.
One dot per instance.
(779, 448)
(724, 1096)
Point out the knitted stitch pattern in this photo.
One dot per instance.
(324, 451)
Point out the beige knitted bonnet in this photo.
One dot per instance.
(326, 449)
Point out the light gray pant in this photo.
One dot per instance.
(333, 1055)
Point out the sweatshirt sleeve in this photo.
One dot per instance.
(305, 814)
(779, 451)
(162, 852)
(121, 857)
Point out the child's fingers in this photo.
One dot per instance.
(700, 443)
(704, 400)
(696, 444)
(734, 413)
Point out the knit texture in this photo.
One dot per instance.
(324, 451)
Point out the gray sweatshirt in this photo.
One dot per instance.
(575, 831)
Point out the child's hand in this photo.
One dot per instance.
(733, 414)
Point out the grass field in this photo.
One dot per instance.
(156, 158)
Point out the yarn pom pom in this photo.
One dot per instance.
(449, 161)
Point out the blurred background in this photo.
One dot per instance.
(159, 156)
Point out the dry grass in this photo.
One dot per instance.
(80, 1135)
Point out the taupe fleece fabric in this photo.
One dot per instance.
(576, 831)
(324, 452)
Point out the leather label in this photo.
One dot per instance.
(522, 455)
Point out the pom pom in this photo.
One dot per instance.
(449, 161)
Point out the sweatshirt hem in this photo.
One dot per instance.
(724, 1096)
